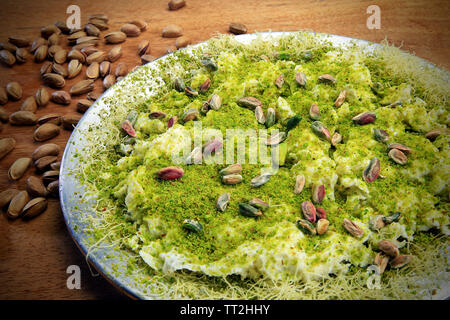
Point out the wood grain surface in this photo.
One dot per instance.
(35, 254)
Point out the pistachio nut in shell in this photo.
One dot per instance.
(108, 81)
(46, 131)
(14, 91)
(143, 47)
(115, 37)
(115, 53)
(41, 53)
(105, 68)
(50, 176)
(59, 69)
(42, 97)
(6, 146)
(6, 196)
(91, 30)
(70, 121)
(44, 162)
(17, 204)
(48, 149)
(3, 96)
(53, 188)
(7, 58)
(131, 30)
(35, 187)
(61, 97)
(50, 118)
(141, 24)
(21, 55)
(98, 56)
(121, 69)
(146, 58)
(172, 31)
(53, 80)
(18, 168)
(34, 208)
(74, 68)
(182, 42)
(75, 54)
(29, 104)
(83, 105)
(22, 118)
(93, 71)
(176, 4)
(82, 87)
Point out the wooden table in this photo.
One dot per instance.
(34, 255)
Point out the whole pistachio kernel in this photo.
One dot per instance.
(314, 112)
(231, 179)
(258, 203)
(260, 180)
(170, 173)
(322, 226)
(318, 193)
(235, 168)
(372, 171)
(300, 78)
(381, 135)
(222, 201)
(249, 102)
(352, 228)
(248, 210)
(306, 226)
(270, 118)
(376, 223)
(299, 184)
(309, 211)
(192, 225)
(320, 130)
(398, 157)
(364, 118)
(388, 248)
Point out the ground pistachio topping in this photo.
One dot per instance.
(223, 230)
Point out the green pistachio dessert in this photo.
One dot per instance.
(354, 205)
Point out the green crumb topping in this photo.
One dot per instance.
(268, 256)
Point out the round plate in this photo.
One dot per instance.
(103, 259)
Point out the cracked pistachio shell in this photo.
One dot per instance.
(34, 208)
(6, 146)
(18, 168)
(17, 204)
